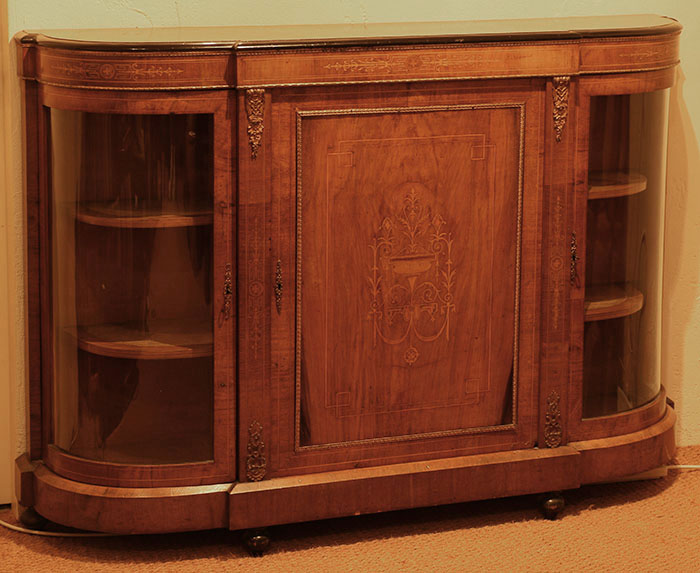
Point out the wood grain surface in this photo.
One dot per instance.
(612, 301)
(130, 510)
(394, 430)
(276, 277)
(405, 293)
(107, 215)
(605, 185)
(170, 339)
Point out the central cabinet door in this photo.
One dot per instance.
(404, 255)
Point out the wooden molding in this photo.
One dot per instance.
(130, 510)
(396, 486)
(399, 486)
(156, 65)
(627, 454)
(24, 480)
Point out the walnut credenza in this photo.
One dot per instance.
(284, 274)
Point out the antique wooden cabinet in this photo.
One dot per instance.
(281, 274)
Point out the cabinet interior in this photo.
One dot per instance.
(131, 260)
(624, 248)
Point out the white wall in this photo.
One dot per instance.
(9, 321)
(681, 343)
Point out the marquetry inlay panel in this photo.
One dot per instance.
(629, 54)
(455, 61)
(263, 69)
(141, 71)
(412, 276)
(405, 292)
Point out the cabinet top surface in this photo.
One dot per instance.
(261, 37)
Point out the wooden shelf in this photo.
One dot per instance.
(182, 449)
(107, 215)
(165, 340)
(606, 185)
(611, 301)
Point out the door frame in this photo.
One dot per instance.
(268, 183)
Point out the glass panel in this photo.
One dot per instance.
(624, 249)
(131, 265)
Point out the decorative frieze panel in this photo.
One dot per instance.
(141, 71)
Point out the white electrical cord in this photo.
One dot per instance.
(683, 467)
(52, 533)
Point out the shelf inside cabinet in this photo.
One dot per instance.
(186, 447)
(164, 340)
(147, 217)
(606, 184)
(611, 301)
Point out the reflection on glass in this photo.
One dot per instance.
(624, 248)
(131, 265)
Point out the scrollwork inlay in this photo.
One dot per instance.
(412, 278)
(405, 64)
(116, 71)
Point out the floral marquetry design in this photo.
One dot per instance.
(412, 278)
(411, 355)
(133, 71)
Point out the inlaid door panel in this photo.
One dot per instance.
(407, 275)
(402, 273)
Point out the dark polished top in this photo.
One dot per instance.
(306, 36)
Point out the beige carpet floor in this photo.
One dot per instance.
(638, 526)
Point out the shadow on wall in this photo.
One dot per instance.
(681, 256)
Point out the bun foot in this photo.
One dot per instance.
(551, 505)
(257, 541)
(32, 520)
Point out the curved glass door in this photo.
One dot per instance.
(624, 251)
(131, 286)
